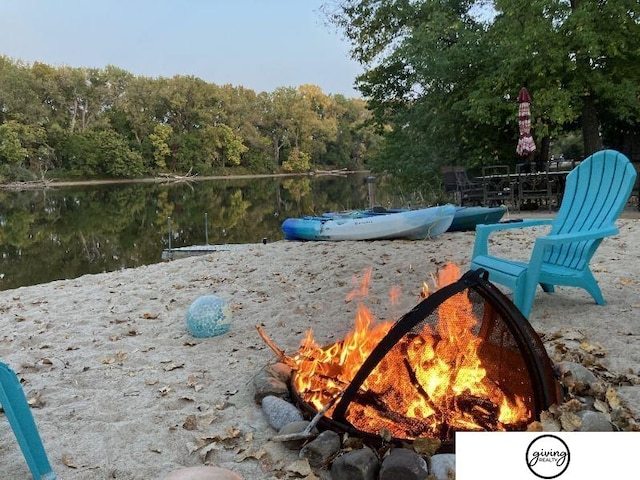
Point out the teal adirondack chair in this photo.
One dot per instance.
(15, 406)
(595, 193)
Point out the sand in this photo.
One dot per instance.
(121, 390)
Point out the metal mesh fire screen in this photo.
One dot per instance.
(464, 358)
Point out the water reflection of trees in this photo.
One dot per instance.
(62, 233)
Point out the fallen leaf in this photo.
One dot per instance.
(600, 406)
(207, 418)
(352, 443)
(535, 427)
(203, 442)
(300, 467)
(311, 476)
(597, 350)
(612, 398)
(385, 434)
(173, 366)
(426, 446)
(191, 423)
(68, 461)
(548, 422)
(164, 391)
(570, 421)
(258, 454)
(35, 401)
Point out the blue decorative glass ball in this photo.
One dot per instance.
(208, 316)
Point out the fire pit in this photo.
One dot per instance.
(463, 359)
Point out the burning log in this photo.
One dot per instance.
(412, 426)
(484, 412)
(419, 387)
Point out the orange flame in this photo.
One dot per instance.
(430, 382)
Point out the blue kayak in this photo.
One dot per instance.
(374, 224)
(466, 218)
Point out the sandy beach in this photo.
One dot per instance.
(121, 390)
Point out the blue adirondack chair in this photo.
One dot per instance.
(596, 191)
(15, 406)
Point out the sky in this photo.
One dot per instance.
(257, 44)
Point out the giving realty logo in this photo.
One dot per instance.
(547, 456)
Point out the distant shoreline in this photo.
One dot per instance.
(42, 184)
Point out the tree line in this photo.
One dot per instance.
(442, 78)
(76, 122)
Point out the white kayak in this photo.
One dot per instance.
(374, 224)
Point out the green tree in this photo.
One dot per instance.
(101, 122)
(297, 161)
(240, 109)
(99, 153)
(11, 150)
(229, 147)
(356, 139)
(18, 96)
(160, 139)
(277, 109)
(442, 77)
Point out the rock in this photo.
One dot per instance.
(403, 464)
(279, 412)
(359, 464)
(587, 401)
(265, 384)
(320, 450)
(594, 422)
(443, 466)
(202, 473)
(280, 370)
(571, 373)
(296, 427)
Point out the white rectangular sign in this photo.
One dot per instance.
(533, 455)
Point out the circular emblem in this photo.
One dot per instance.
(547, 456)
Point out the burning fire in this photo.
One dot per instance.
(431, 383)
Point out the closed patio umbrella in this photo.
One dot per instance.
(526, 145)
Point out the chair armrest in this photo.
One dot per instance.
(481, 245)
(554, 240)
(494, 227)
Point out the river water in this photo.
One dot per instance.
(65, 232)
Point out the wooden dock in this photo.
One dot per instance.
(192, 250)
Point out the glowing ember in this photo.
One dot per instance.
(430, 383)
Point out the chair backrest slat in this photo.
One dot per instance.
(596, 192)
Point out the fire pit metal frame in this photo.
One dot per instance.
(545, 388)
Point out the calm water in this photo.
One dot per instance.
(63, 233)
